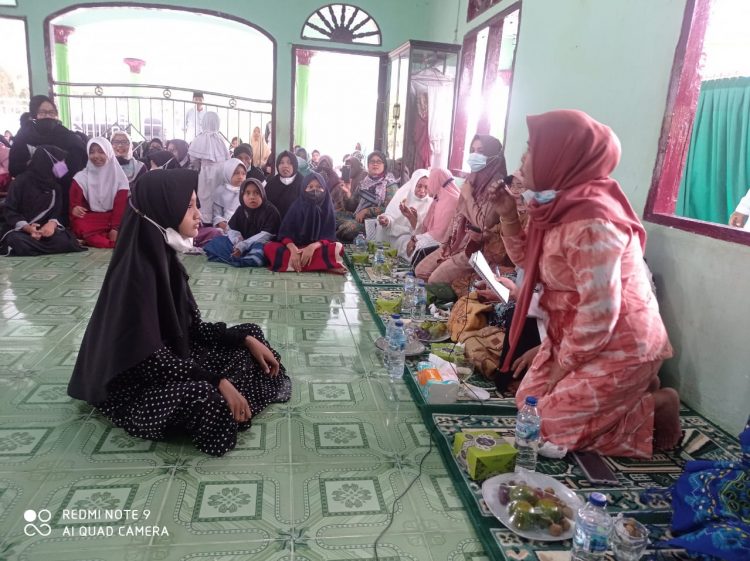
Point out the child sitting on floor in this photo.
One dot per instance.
(252, 225)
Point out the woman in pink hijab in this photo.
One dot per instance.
(434, 228)
(596, 373)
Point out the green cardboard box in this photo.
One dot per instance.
(484, 453)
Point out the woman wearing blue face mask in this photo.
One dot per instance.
(475, 225)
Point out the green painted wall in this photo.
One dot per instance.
(399, 21)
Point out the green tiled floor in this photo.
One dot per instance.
(314, 479)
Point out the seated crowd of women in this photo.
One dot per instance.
(560, 225)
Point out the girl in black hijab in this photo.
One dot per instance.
(244, 153)
(162, 159)
(252, 225)
(179, 149)
(284, 187)
(41, 126)
(147, 361)
(33, 210)
(307, 235)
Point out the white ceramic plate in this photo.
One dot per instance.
(491, 495)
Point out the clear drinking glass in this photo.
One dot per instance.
(629, 539)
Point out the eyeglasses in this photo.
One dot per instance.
(51, 113)
(376, 162)
(120, 143)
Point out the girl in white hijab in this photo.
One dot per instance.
(98, 196)
(227, 195)
(405, 213)
(123, 149)
(209, 150)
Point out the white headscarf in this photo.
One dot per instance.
(209, 144)
(226, 195)
(101, 184)
(129, 155)
(399, 225)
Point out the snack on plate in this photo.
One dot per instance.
(432, 330)
(535, 508)
(361, 258)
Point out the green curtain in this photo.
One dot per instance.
(717, 173)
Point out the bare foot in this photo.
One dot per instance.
(667, 430)
(338, 271)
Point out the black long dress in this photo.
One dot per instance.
(283, 196)
(165, 393)
(35, 197)
(147, 361)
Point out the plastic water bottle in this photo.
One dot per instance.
(379, 260)
(593, 526)
(388, 332)
(528, 425)
(391, 325)
(408, 302)
(420, 308)
(410, 283)
(360, 244)
(397, 351)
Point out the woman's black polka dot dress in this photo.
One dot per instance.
(165, 393)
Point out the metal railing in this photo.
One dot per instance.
(151, 111)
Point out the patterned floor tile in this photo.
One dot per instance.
(91, 509)
(35, 399)
(458, 546)
(401, 547)
(252, 503)
(99, 444)
(336, 501)
(323, 392)
(31, 445)
(338, 437)
(246, 550)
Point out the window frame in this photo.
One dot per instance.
(676, 131)
(489, 77)
(330, 6)
(25, 21)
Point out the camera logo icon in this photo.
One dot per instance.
(43, 516)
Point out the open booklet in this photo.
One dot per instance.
(483, 269)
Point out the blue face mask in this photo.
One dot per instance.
(477, 162)
(541, 197)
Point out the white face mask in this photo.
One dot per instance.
(173, 238)
(288, 180)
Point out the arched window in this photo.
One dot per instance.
(342, 23)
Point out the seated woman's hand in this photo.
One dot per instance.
(523, 362)
(505, 204)
(32, 230)
(223, 225)
(112, 235)
(78, 211)
(737, 219)
(510, 285)
(48, 230)
(295, 258)
(411, 246)
(485, 294)
(236, 252)
(263, 356)
(362, 214)
(235, 401)
(383, 220)
(307, 254)
(410, 213)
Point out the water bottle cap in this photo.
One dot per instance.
(399, 323)
(395, 316)
(531, 400)
(421, 282)
(598, 499)
(410, 274)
